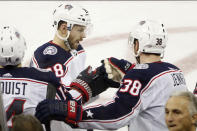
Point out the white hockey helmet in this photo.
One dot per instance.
(12, 46)
(72, 14)
(152, 37)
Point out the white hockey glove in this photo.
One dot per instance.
(116, 69)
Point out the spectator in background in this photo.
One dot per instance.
(24, 122)
(181, 112)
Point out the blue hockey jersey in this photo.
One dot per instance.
(65, 66)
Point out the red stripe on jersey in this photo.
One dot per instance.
(36, 63)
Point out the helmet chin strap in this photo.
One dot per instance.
(72, 51)
(63, 38)
(162, 55)
(137, 59)
(137, 56)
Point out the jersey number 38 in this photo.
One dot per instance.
(131, 86)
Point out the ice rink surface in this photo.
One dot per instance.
(112, 22)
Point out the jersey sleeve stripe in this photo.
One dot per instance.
(35, 62)
(157, 76)
(68, 60)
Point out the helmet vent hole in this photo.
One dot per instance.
(17, 59)
(12, 49)
(163, 30)
(11, 37)
(2, 50)
(1, 38)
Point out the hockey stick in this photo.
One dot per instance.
(3, 121)
(48, 126)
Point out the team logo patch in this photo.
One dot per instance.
(141, 66)
(17, 34)
(68, 7)
(50, 50)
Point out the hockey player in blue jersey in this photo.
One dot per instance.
(64, 55)
(145, 86)
(24, 87)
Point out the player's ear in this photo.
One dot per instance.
(136, 45)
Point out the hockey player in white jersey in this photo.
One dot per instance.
(145, 86)
(22, 87)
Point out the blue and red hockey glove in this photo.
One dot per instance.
(68, 111)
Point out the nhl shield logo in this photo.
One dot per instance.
(50, 50)
(68, 7)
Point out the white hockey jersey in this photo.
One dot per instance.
(140, 101)
(24, 88)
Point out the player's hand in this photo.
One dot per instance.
(116, 69)
(68, 111)
(91, 83)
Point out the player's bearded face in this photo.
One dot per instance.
(76, 35)
(177, 116)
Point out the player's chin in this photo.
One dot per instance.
(173, 128)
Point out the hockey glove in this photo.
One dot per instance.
(91, 83)
(68, 111)
(116, 69)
